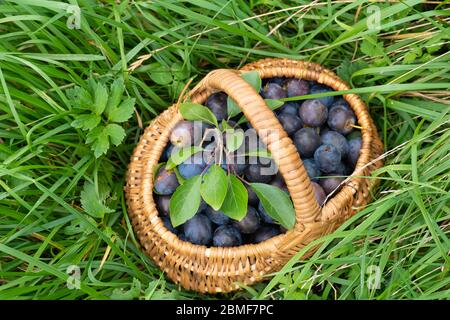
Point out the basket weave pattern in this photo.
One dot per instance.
(218, 269)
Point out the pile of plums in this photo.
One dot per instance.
(323, 131)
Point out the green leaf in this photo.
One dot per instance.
(232, 108)
(252, 78)
(225, 125)
(214, 186)
(179, 155)
(80, 98)
(194, 111)
(116, 133)
(273, 104)
(185, 201)
(161, 75)
(234, 139)
(371, 47)
(92, 203)
(101, 144)
(133, 293)
(93, 134)
(236, 200)
(101, 98)
(86, 121)
(123, 112)
(276, 203)
(117, 89)
(180, 178)
(179, 71)
(347, 68)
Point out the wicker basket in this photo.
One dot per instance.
(216, 269)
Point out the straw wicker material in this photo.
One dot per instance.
(217, 269)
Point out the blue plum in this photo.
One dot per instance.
(162, 204)
(331, 183)
(311, 168)
(317, 88)
(192, 166)
(319, 193)
(336, 139)
(313, 113)
(166, 182)
(296, 87)
(186, 133)
(250, 222)
(266, 232)
(327, 158)
(217, 217)
(273, 91)
(307, 141)
(354, 150)
(198, 230)
(227, 236)
(217, 103)
(291, 123)
(341, 119)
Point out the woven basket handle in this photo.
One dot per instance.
(273, 135)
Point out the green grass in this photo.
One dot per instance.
(400, 70)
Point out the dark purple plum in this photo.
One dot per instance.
(162, 204)
(165, 182)
(354, 147)
(347, 169)
(250, 222)
(263, 214)
(265, 232)
(273, 91)
(166, 153)
(296, 87)
(341, 169)
(258, 173)
(327, 158)
(290, 123)
(186, 133)
(279, 182)
(319, 193)
(198, 230)
(290, 107)
(313, 113)
(234, 163)
(217, 103)
(202, 206)
(252, 197)
(277, 80)
(341, 119)
(340, 102)
(336, 139)
(192, 166)
(307, 141)
(227, 236)
(317, 88)
(311, 168)
(217, 217)
(329, 184)
(168, 224)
